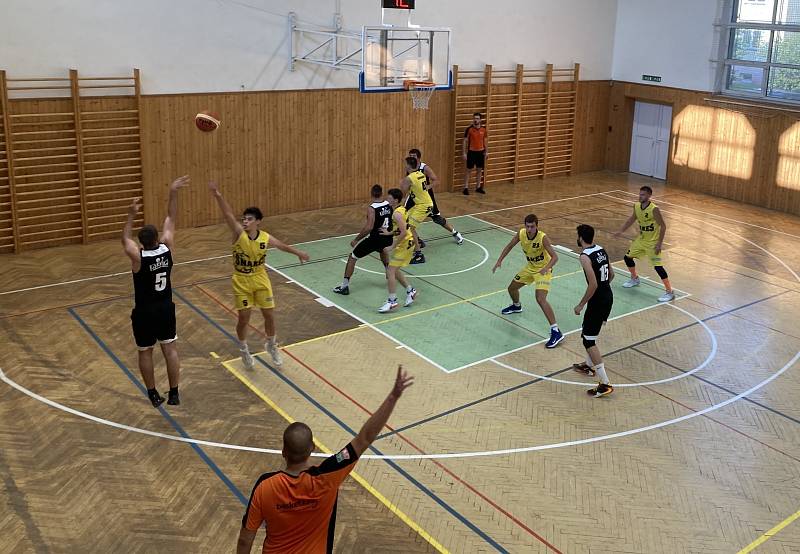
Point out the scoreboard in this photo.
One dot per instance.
(399, 4)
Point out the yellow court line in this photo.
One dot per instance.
(360, 480)
(329, 335)
(769, 534)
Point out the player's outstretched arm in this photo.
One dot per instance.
(128, 244)
(302, 256)
(378, 420)
(591, 282)
(168, 229)
(553, 256)
(510, 246)
(628, 223)
(233, 223)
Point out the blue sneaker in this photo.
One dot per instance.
(556, 336)
(512, 309)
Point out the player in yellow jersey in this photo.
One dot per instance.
(415, 186)
(251, 284)
(541, 258)
(400, 253)
(652, 229)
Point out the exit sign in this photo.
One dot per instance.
(652, 78)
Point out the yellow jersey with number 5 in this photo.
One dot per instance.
(250, 255)
(649, 229)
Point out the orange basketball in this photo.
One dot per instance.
(207, 121)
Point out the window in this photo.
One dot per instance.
(763, 50)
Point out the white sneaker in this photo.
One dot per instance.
(410, 296)
(630, 283)
(277, 359)
(388, 307)
(247, 358)
(459, 238)
(666, 297)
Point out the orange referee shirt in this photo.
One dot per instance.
(300, 512)
(476, 138)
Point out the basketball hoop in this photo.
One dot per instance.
(421, 92)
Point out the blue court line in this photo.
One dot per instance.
(347, 428)
(175, 425)
(718, 386)
(606, 355)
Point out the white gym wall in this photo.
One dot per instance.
(224, 45)
(673, 39)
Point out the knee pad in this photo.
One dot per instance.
(587, 344)
(439, 220)
(661, 271)
(629, 261)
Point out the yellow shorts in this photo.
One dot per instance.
(252, 291)
(417, 214)
(530, 274)
(642, 249)
(401, 256)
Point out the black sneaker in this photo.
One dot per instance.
(512, 309)
(480, 190)
(155, 399)
(466, 192)
(421, 243)
(418, 258)
(341, 289)
(600, 390)
(174, 398)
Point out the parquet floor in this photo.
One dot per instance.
(694, 452)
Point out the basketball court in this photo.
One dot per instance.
(496, 447)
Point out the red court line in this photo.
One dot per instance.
(506, 513)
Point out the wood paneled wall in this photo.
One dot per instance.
(529, 115)
(286, 151)
(69, 165)
(738, 150)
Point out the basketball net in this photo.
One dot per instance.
(421, 93)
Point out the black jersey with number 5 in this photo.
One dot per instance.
(151, 284)
(601, 268)
(383, 218)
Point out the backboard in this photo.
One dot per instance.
(392, 55)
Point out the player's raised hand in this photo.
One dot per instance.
(401, 382)
(213, 187)
(135, 206)
(180, 182)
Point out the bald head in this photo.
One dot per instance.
(298, 443)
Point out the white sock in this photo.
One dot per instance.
(345, 282)
(601, 373)
(554, 327)
(409, 288)
(243, 345)
(271, 341)
(392, 298)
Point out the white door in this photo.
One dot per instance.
(652, 124)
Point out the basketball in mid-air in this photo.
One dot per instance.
(207, 121)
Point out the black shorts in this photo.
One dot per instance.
(370, 244)
(475, 158)
(597, 311)
(153, 324)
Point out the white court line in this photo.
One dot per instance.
(708, 360)
(705, 213)
(514, 350)
(105, 276)
(364, 322)
(477, 265)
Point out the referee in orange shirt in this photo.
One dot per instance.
(298, 503)
(475, 151)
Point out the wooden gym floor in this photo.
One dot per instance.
(698, 450)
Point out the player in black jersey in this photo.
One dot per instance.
(436, 216)
(598, 300)
(370, 239)
(153, 315)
